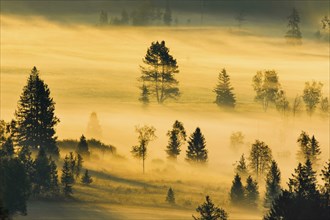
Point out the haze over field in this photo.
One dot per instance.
(95, 69)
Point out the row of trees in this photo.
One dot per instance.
(158, 81)
(196, 152)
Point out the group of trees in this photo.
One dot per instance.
(145, 14)
(196, 152)
(247, 195)
(158, 81)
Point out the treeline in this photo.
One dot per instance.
(158, 82)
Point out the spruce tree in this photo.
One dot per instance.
(293, 35)
(196, 151)
(25, 158)
(251, 192)
(224, 91)
(170, 198)
(177, 137)
(54, 185)
(42, 178)
(241, 168)
(309, 148)
(35, 116)
(67, 179)
(78, 167)
(8, 147)
(273, 185)
(208, 211)
(86, 178)
(237, 191)
(325, 175)
(82, 147)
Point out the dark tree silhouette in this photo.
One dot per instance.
(35, 116)
(309, 148)
(251, 192)
(78, 165)
(146, 134)
(325, 189)
(54, 184)
(208, 211)
(14, 186)
(42, 178)
(273, 185)
(82, 147)
(8, 147)
(266, 85)
(158, 74)
(312, 96)
(67, 178)
(241, 168)
(293, 35)
(237, 191)
(177, 137)
(196, 151)
(86, 178)
(302, 200)
(260, 157)
(224, 91)
(170, 198)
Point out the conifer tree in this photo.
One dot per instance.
(35, 116)
(273, 185)
(309, 148)
(197, 151)
(208, 211)
(237, 191)
(241, 168)
(177, 137)
(8, 147)
(54, 184)
(78, 167)
(24, 156)
(86, 178)
(325, 175)
(82, 147)
(251, 192)
(42, 178)
(224, 91)
(67, 179)
(170, 198)
(293, 35)
(159, 73)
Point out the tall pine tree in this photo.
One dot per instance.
(197, 151)
(35, 116)
(67, 179)
(273, 185)
(251, 192)
(177, 137)
(237, 191)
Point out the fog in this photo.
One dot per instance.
(92, 69)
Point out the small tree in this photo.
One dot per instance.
(260, 157)
(158, 74)
(324, 105)
(293, 35)
(79, 163)
(86, 178)
(54, 185)
(237, 191)
(208, 211)
(251, 192)
(170, 198)
(82, 147)
(236, 140)
(266, 85)
(241, 168)
(281, 102)
(309, 148)
(177, 137)
(42, 178)
(224, 91)
(144, 98)
(312, 96)
(297, 105)
(273, 185)
(67, 179)
(146, 134)
(196, 151)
